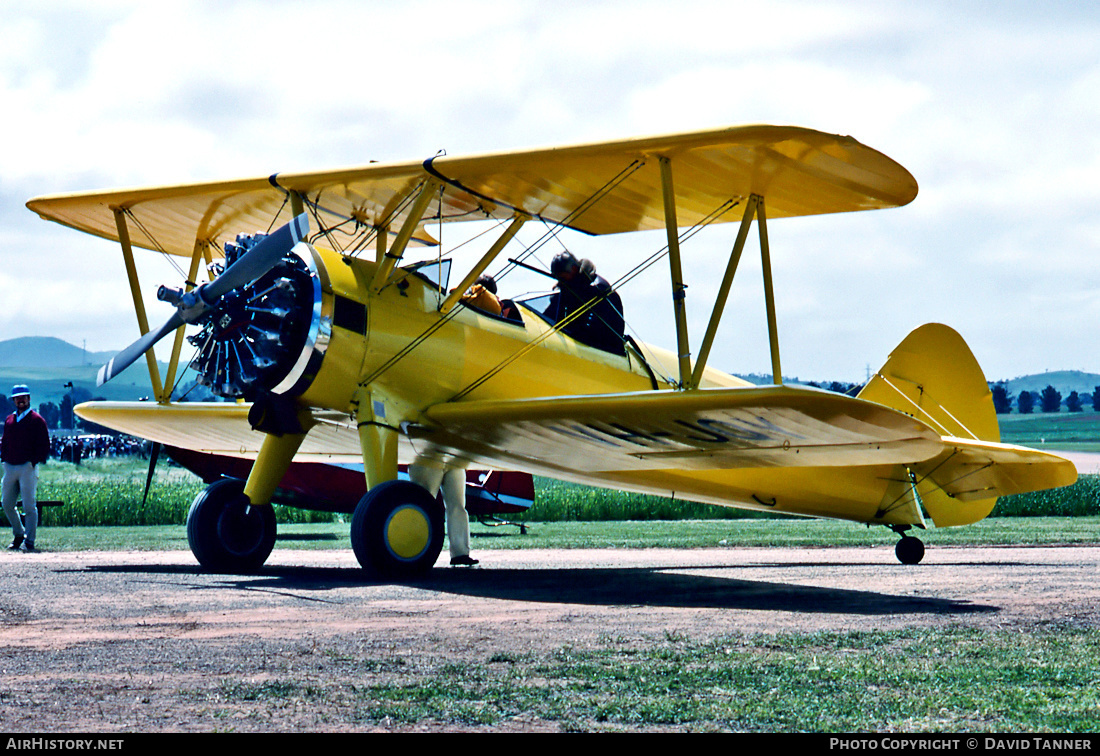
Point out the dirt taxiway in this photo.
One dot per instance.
(131, 640)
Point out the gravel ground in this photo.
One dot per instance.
(144, 641)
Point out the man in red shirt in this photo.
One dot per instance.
(24, 446)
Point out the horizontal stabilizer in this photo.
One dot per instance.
(962, 483)
(933, 376)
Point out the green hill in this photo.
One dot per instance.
(46, 352)
(46, 364)
(1063, 380)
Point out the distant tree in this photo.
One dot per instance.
(7, 406)
(1073, 402)
(71, 399)
(51, 413)
(1025, 402)
(1050, 400)
(1096, 398)
(843, 388)
(1002, 400)
(65, 413)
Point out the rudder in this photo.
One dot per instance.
(933, 376)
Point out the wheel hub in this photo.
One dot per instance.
(408, 532)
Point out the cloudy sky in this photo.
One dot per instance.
(993, 106)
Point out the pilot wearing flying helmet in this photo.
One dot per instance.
(24, 445)
(600, 324)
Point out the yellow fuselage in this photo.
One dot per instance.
(452, 356)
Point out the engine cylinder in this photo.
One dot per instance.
(268, 336)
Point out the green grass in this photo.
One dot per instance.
(1067, 431)
(561, 501)
(915, 680)
(109, 492)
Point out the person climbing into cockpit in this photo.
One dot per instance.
(601, 324)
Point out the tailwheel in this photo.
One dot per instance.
(909, 550)
(226, 532)
(397, 529)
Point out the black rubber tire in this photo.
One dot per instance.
(909, 550)
(225, 533)
(397, 529)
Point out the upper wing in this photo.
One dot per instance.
(798, 171)
(775, 426)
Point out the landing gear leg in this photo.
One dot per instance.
(397, 527)
(910, 549)
(231, 525)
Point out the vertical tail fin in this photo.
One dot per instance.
(933, 376)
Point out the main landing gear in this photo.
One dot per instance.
(397, 529)
(910, 549)
(227, 533)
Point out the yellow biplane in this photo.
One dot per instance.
(338, 350)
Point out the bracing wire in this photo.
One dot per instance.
(577, 212)
(156, 245)
(583, 310)
(583, 207)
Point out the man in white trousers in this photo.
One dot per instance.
(453, 481)
(24, 445)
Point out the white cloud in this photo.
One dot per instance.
(992, 107)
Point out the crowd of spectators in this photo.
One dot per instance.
(77, 448)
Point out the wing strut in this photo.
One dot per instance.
(769, 294)
(416, 213)
(517, 221)
(679, 290)
(139, 301)
(177, 344)
(754, 207)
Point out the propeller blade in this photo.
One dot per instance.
(258, 260)
(132, 353)
(192, 306)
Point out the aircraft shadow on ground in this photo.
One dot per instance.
(670, 587)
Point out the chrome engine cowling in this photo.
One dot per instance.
(268, 336)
